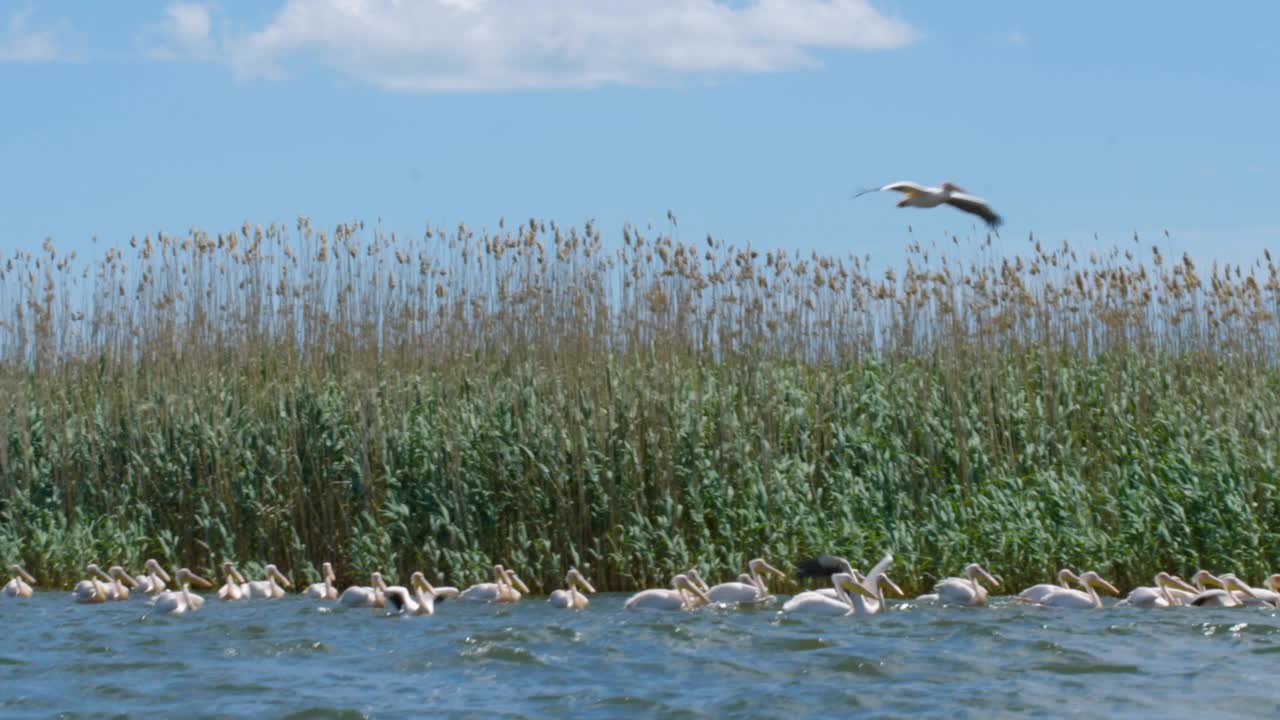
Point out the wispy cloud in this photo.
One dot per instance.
(1016, 37)
(185, 33)
(440, 45)
(20, 43)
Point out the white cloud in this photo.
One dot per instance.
(432, 45)
(1016, 37)
(185, 33)
(21, 44)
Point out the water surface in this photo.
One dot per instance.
(299, 658)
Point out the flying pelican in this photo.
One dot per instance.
(421, 601)
(570, 597)
(814, 603)
(502, 589)
(20, 585)
(365, 596)
(926, 197)
(153, 578)
(677, 598)
(753, 591)
(1157, 594)
(1222, 596)
(324, 590)
(1087, 598)
(235, 583)
(962, 590)
(176, 602)
(269, 589)
(1036, 593)
(93, 590)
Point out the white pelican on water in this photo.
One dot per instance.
(20, 585)
(176, 602)
(506, 587)
(957, 197)
(94, 590)
(1036, 593)
(1256, 595)
(271, 588)
(153, 578)
(827, 565)
(571, 596)
(1231, 592)
(815, 603)
(418, 601)
(683, 595)
(324, 590)
(1157, 594)
(372, 595)
(965, 590)
(752, 591)
(233, 589)
(1087, 598)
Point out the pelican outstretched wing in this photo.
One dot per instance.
(976, 206)
(823, 566)
(906, 187)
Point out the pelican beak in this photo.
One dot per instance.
(198, 581)
(769, 568)
(24, 574)
(848, 585)
(892, 585)
(421, 582)
(95, 570)
(163, 575)
(1237, 584)
(1103, 584)
(517, 582)
(581, 582)
(126, 577)
(987, 576)
(239, 578)
(689, 585)
(1177, 582)
(283, 580)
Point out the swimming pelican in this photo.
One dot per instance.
(814, 603)
(1256, 595)
(235, 583)
(1223, 595)
(94, 590)
(1157, 594)
(1184, 597)
(324, 590)
(365, 596)
(119, 582)
(570, 597)
(1036, 593)
(965, 590)
(153, 578)
(20, 585)
(176, 602)
(677, 598)
(919, 196)
(502, 589)
(421, 601)
(1087, 598)
(754, 591)
(269, 589)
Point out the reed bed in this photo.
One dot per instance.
(536, 396)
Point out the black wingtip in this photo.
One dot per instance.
(822, 566)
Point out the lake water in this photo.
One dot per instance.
(300, 658)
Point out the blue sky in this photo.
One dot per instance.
(753, 120)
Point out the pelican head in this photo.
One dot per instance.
(273, 571)
(952, 187)
(974, 570)
(1201, 577)
(185, 576)
(326, 572)
(682, 582)
(1164, 579)
(232, 573)
(17, 571)
(575, 578)
(696, 577)
(759, 566)
(95, 571)
(1272, 583)
(153, 568)
(376, 580)
(1095, 580)
(118, 573)
(1230, 582)
(516, 582)
(1066, 576)
(848, 583)
(892, 585)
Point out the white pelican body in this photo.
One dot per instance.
(683, 595)
(418, 601)
(506, 587)
(920, 196)
(966, 591)
(115, 587)
(153, 578)
(176, 602)
(324, 590)
(1256, 595)
(367, 595)
(1157, 594)
(572, 597)
(754, 591)
(233, 587)
(20, 585)
(843, 604)
(1036, 593)
(1082, 599)
(269, 589)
